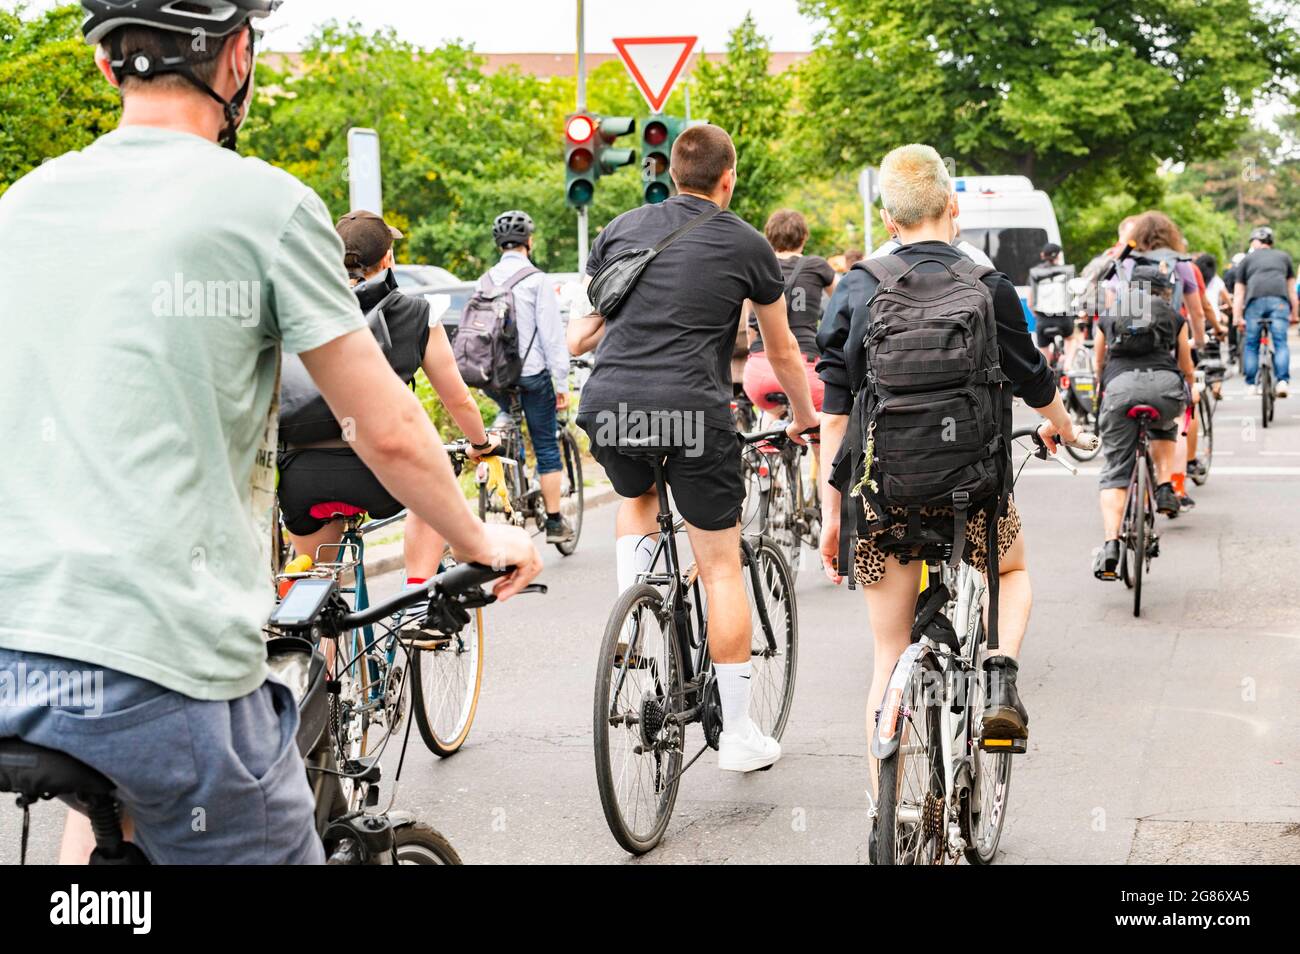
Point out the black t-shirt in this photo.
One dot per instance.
(1267, 273)
(407, 318)
(1230, 279)
(1159, 360)
(669, 347)
(843, 333)
(803, 301)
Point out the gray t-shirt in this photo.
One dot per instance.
(1267, 273)
(669, 347)
(147, 286)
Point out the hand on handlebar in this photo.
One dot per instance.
(1052, 436)
(508, 546)
(796, 430)
(494, 445)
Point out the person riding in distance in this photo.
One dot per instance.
(1265, 294)
(920, 209)
(317, 475)
(544, 379)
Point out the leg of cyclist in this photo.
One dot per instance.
(537, 394)
(891, 606)
(1280, 319)
(310, 544)
(1254, 324)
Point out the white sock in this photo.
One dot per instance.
(733, 692)
(632, 553)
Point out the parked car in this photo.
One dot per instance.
(414, 279)
(448, 303)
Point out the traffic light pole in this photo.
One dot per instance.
(582, 107)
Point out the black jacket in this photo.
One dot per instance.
(843, 332)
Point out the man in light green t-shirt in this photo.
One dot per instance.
(148, 284)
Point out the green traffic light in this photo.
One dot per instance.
(658, 133)
(581, 192)
(655, 193)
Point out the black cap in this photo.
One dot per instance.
(366, 238)
(1051, 250)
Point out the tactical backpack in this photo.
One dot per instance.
(486, 346)
(931, 420)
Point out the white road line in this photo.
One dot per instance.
(1229, 471)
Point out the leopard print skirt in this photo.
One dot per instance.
(869, 560)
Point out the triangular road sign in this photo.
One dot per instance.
(654, 63)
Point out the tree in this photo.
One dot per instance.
(1057, 90)
(52, 97)
(739, 95)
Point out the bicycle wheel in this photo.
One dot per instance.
(350, 716)
(638, 750)
(1141, 509)
(984, 806)
(447, 676)
(910, 809)
(1265, 379)
(774, 647)
(783, 508)
(418, 844)
(1205, 444)
(571, 503)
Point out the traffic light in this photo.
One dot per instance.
(657, 138)
(609, 159)
(580, 169)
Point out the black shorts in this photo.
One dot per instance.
(705, 478)
(328, 475)
(1047, 327)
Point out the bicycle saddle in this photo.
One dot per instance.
(334, 508)
(776, 397)
(38, 772)
(1143, 411)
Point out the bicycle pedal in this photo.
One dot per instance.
(1014, 746)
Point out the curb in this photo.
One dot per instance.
(389, 557)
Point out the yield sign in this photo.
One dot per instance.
(655, 62)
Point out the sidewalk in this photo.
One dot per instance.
(386, 557)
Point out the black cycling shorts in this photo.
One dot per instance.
(1047, 327)
(328, 475)
(705, 479)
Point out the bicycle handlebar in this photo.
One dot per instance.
(759, 437)
(451, 584)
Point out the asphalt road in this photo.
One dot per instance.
(1166, 739)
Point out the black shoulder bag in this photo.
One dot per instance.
(611, 285)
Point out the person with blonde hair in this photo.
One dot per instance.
(920, 208)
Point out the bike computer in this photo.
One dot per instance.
(303, 603)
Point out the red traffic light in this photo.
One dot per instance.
(580, 160)
(656, 133)
(580, 128)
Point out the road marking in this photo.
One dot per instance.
(1229, 471)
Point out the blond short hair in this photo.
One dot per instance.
(914, 185)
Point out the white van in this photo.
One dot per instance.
(1010, 221)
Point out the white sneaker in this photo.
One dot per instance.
(1281, 389)
(746, 751)
(1256, 390)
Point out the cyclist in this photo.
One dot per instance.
(1155, 369)
(1265, 293)
(544, 379)
(661, 369)
(920, 209)
(1050, 302)
(316, 477)
(151, 453)
(808, 280)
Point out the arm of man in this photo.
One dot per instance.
(1185, 361)
(833, 429)
(1239, 302)
(585, 332)
(749, 332)
(1291, 291)
(1196, 315)
(787, 362)
(397, 441)
(440, 367)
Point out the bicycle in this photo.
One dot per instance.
(943, 788)
(313, 613)
(515, 494)
(1077, 385)
(780, 502)
(1138, 538)
(654, 676)
(1264, 377)
(1208, 376)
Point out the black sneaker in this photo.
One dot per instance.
(1196, 468)
(1105, 566)
(1167, 501)
(1186, 503)
(558, 531)
(1005, 716)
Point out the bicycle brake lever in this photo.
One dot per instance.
(539, 588)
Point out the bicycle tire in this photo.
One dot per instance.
(571, 456)
(444, 743)
(893, 772)
(419, 844)
(1205, 448)
(773, 665)
(1141, 510)
(997, 773)
(645, 603)
(1265, 378)
(782, 517)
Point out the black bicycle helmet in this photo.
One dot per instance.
(190, 18)
(1262, 234)
(512, 228)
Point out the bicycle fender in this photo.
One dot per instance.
(889, 724)
(400, 819)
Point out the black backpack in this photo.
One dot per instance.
(930, 423)
(486, 346)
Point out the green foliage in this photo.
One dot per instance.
(739, 95)
(52, 97)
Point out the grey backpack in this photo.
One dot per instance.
(486, 346)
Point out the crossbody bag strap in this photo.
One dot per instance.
(508, 285)
(674, 236)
